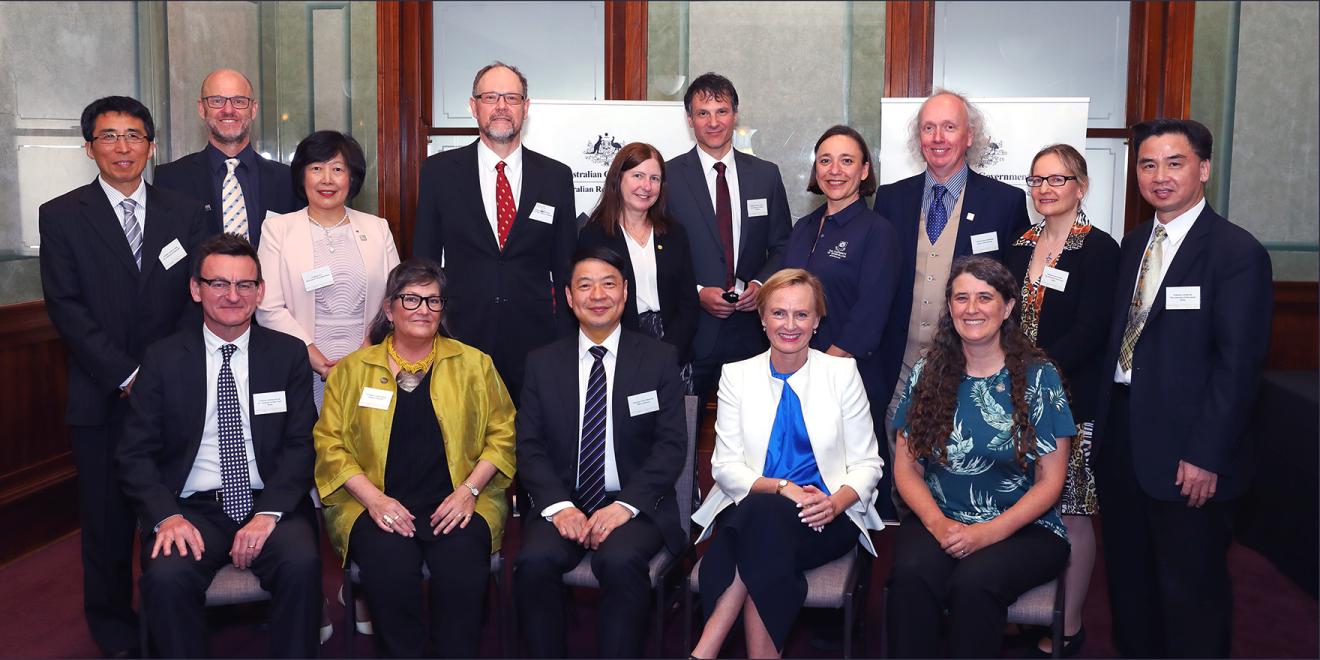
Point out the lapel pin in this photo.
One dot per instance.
(362, 237)
(383, 380)
(971, 217)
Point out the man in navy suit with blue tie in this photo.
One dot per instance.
(945, 212)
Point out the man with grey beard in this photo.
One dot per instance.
(500, 219)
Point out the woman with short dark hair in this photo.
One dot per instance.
(326, 263)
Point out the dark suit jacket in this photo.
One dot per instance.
(191, 175)
(648, 449)
(105, 309)
(499, 301)
(1074, 323)
(761, 239)
(997, 207)
(679, 306)
(1194, 372)
(164, 428)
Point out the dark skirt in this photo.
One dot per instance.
(762, 539)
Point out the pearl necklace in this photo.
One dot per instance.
(329, 240)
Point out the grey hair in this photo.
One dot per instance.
(498, 65)
(975, 123)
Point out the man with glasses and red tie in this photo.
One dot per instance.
(115, 256)
(500, 219)
(217, 459)
(239, 186)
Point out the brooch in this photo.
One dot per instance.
(999, 388)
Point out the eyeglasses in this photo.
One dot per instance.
(217, 102)
(491, 98)
(109, 139)
(411, 301)
(1055, 180)
(220, 286)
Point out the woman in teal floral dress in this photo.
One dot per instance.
(981, 457)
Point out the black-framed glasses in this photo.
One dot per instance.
(1055, 180)
(217, 102)
(491, 98)
(109, 139)
(411, 301)
(222, 286)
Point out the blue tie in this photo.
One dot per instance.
(235, 483)
(936, 216)
(591, 454)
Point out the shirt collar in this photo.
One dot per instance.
(1178, 227)
(247, 157)
(954, 185)
(708, 161)
(848, 213)
(116, 198)
(214, 343)
(487, 159)
(611, 342)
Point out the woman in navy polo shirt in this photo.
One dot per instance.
(854, 253)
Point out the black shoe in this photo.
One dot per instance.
(1072, 644)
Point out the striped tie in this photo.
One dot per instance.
(132, 230)
(1148, 287)
(591, 453)
(231, 199)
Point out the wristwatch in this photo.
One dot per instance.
(473, 489)
(779, 487)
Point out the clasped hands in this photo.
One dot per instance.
(959, 540)
(176, 533)
(575, 526)
(817, 508)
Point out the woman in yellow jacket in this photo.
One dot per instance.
(414, 450)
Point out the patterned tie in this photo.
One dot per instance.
(505, 209)
(724, 220)
(236, 485)
(132, 230)
(1148, 286)
(936, 216)
(231, 199)
(591, 454)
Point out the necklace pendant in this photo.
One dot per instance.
(332, 249)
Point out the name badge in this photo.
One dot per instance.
(171, 254)
(757, 208)
(265, 403)
(317, 278)
(987, 242)
(543, 213)
(1053, 278)
(1182, 297)
(374, 398)
(640, 404)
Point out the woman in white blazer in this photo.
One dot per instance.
(796, 464)
(325, 266)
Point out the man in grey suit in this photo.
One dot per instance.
(735, 211)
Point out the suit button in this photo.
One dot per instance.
(930, 278)
(925, 324)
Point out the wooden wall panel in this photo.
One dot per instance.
(403, 29)
(38, 497)
(625, 50)
(909, 48)
(1295, 336)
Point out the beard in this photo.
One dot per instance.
(500, 136)
(218, 136)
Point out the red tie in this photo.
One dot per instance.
(724, 219)
(504, 208)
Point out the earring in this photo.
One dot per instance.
(815, 331)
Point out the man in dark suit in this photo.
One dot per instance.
(601, 441)
(114, 272)
(735, 211)
(945, 212)
(500, 219)
(1188, 343)
(217, 458)
(238, 186)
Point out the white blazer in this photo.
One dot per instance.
(838, 419)
(286, 253)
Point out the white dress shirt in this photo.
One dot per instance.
(735, 199)
(139, 212)
(585, 360)
(486, 162)
(646, 284)
(205, 473)
(1175, 231)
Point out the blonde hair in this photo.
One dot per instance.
(791, 277)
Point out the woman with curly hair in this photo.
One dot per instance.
(984, 430)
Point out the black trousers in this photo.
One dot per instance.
(391, 567)
(621, 565)
(289, 567)
(108, 528)
(976, 591)
(1169, 592)
(740, 337)
(771, 550)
